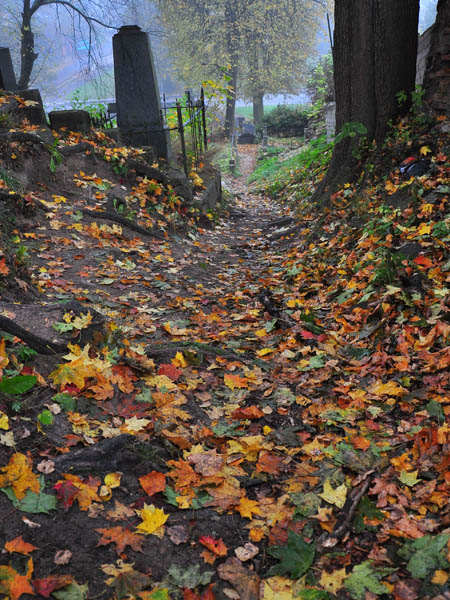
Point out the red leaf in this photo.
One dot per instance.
(250, 412)
(66, 492)
(216, 546)
(45, 587)
(423, 261)
(170, 371)
(307, 335)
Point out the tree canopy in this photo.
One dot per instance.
(267, 44)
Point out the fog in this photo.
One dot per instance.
(74, 60)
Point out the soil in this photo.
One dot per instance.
(212, 275)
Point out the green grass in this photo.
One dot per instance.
(247, 111)
(275, 175)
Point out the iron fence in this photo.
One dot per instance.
(189, 116)
(185, 115)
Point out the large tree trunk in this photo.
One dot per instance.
(27, 53)
(374, 59)
(258, 109)
(437, 74)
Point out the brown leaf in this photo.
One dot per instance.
(245, 581)
(120, 537)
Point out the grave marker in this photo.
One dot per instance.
(7, 76)
(137, 94)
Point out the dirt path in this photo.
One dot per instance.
(190, 319)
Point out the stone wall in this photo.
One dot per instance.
(422, 54)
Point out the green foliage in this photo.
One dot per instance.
(388, 267)
(56, 157)
(320, 83)
(189, 577)
(295, 558)
(32, 502)
(45, 417)
(18, 384)
(66, 401)
(364, 578)
(276, 174)
(284, 121)
(24, 354)
(73, 591)
(425, 554)
(351, 129)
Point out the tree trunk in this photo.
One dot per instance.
(374, 58)
(231, 103)
(437, 74)
(27, 53)
(258, 109)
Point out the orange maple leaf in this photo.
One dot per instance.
(19, 545)
(183, 474)
(234, 381)
(4, 269)
(153, 482)
(217, 547)
(121, 538)
(13, 584)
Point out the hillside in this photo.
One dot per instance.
(251, 404)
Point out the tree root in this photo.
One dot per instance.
(281, 222)
(286, 233)
(109, 216)
(35, 342)
(165, 350)
(76, 149)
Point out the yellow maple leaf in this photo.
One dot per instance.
(334, 496)
(4, 421)
(440, 577)
(391, 388)
(72, 372)
(332, 582)
(425, 150)
(134, 424)
(153, 520)
(246, 507)
(423, 229)
(19, 476)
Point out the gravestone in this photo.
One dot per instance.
(330, 120)
(7, 76)
(138, 103)
(72, 120)
(248, 135)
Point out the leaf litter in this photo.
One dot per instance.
(263, 419)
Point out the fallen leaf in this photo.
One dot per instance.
(335, 496)
(153, 520)
(18, 545)
(153, 482)
(121, 538)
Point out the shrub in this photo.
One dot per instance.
(284, 121)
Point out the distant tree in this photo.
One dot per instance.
(88, 14)
(375, 49)
(437, 73)
(263, 44)
(278, 40)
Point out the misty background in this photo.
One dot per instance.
(76, 63)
